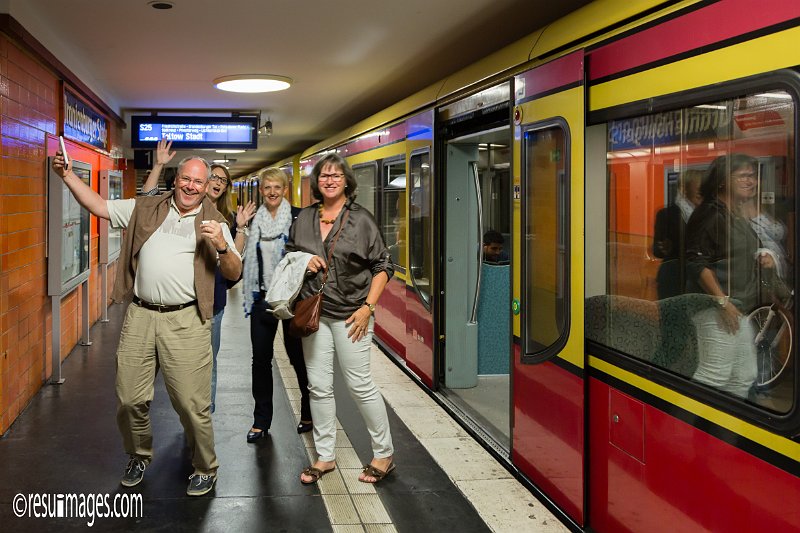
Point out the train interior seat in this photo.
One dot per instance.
(659, 331)
(494, 319)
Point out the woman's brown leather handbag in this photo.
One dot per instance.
(307, 311)
(306, 316)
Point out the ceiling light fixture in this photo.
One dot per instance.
(225, 162)
(252, 83)
(161, 5)
(229, 151)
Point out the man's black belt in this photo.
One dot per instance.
(162, 308)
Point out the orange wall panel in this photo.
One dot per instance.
(30, 100)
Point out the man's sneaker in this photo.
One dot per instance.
(200, 484)
(134, 472)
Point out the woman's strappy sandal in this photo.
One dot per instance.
(376, 473)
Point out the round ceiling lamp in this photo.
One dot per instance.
(252, 83)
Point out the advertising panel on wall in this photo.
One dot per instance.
(110, 238)
(68, 233)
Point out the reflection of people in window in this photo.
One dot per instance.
(771, 233)
(721, 249)
(670, 227)
(493, 243)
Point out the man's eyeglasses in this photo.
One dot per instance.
(332, 177)
(220, 179)
(185, 180)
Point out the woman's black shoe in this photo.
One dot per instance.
(253, 436)
(305, 427)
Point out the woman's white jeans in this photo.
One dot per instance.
(354, 360)
(726, 361)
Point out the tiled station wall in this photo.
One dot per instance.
(29, 122)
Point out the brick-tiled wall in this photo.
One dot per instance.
(29, 114)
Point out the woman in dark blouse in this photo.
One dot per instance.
(721, 248)
(359, 271)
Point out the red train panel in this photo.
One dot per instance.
(705, 27)
(390, 317)
(548, 432)
(419, 329)
(686, 479)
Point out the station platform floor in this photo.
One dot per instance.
(66, 445)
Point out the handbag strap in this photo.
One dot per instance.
(333, 245)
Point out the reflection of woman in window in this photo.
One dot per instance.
(721, 249)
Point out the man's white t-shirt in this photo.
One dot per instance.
(165, 272)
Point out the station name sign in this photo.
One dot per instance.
(673, 127)
(195, 132)
(84, 124)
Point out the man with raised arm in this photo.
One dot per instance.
(171, 250)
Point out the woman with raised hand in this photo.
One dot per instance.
(266, 239)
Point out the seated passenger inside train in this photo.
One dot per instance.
(493, 243)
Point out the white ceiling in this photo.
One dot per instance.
(348, 58)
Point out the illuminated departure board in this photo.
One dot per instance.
(195, 132)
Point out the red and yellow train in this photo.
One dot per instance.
(564, 359)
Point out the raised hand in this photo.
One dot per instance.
(163, 156)
(244, 214)
(59, 167)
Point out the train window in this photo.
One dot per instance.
(421, 225)
(393, 216)
(700, 274)
(545, 222)
(289, 171)
(253, 192)
(366, 178)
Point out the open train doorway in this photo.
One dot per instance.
(475, 359)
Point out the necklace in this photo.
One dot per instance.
(326, 220)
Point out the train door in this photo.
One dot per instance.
(419, 306)
(474, 365)
(548, 385)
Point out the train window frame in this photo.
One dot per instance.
(551, 351)
(289, 171)
(382, 191)
(412, 221)
(375, 177)
(787, 423)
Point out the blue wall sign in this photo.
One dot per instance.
(84, 124)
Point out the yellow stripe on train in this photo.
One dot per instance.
(769, 53)
(772, 441)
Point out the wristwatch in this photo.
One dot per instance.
(224, 250)
(371, 307)
(722, 300)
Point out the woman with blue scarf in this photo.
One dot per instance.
(266, 239)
